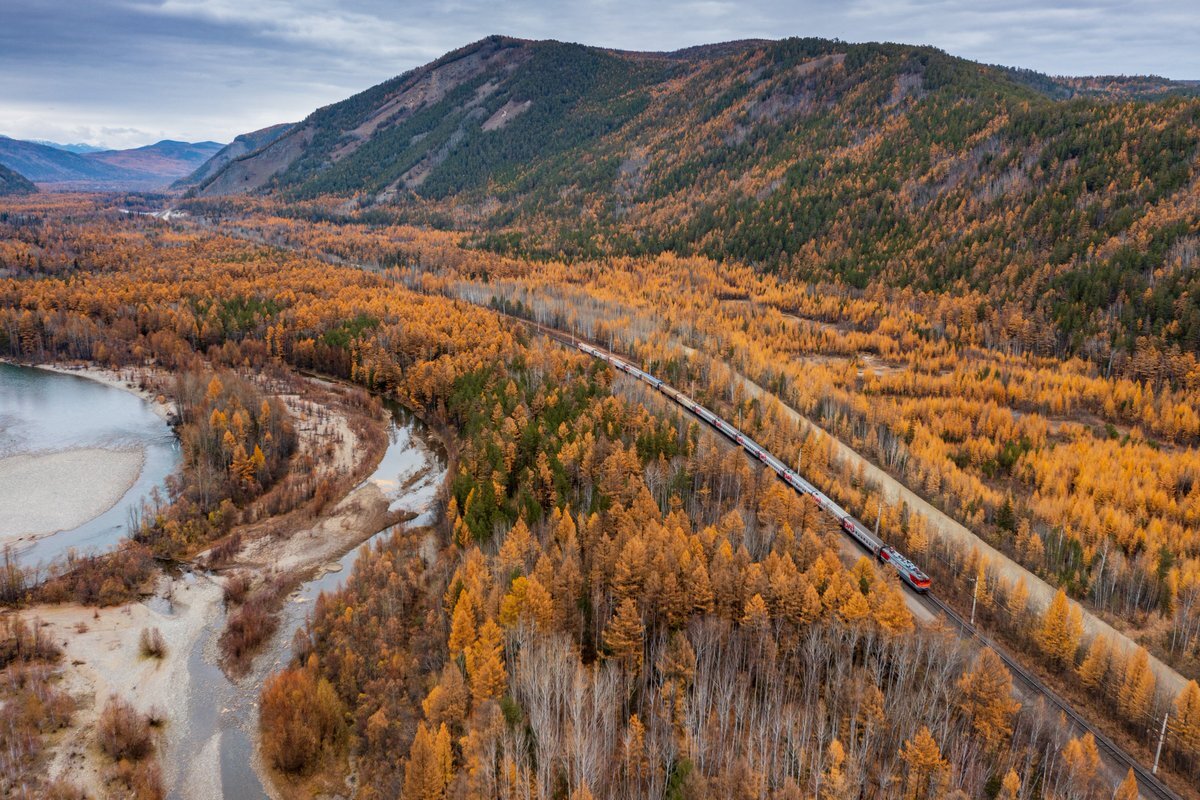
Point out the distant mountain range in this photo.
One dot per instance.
(79, 147)
(150, 167)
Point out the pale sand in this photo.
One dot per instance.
(328, 436)
(42, 493)
(352, 520)
(109, 648)
(102, 657)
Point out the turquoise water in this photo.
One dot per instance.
(44, 411)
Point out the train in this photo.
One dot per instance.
(909, 572)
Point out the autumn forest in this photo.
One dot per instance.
(961, 301)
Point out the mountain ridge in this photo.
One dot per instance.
(296, 157)
(871, 165)
(166, 159)
(242, 145)
(150, 166)
(77, 147)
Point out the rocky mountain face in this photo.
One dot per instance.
(241, 146)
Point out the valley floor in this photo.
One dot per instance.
(103, 659)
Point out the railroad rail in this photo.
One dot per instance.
(909, 572)
(1148, 783)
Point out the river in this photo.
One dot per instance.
(212, 750)
(98, 430)
(78, 433)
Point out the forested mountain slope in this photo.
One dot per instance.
(872, 163)
(241, 145)
(14, 183)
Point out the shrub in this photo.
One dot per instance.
(141, 779)
(12, 578)
(301, 721)
(102, 580)
(21, 642)
(236, 588)
(224, 552)
(252, 624)
(124, 733)
(32, 706)
(246, 629)
(34, 700)
(152, 643)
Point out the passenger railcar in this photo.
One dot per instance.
(909, 572)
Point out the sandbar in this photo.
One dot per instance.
(43, 493)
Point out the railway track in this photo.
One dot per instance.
(1149, 785)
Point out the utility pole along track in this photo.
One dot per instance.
(914, 579)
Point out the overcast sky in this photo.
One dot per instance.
(129, 72)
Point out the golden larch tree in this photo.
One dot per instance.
(926, 767)
(485, 664)
(985, 698)
(1185, 720)
(889, 610)
(1128, 790)
(755, 614)
(1082, 760)
(1095, 665)
(1059, 634)
(527, 603)
(624, 635)
(517, 547)
(1136, 695)
(855, 607)
(462, 625)
(424, 774)
(635, 761)
(447, 700)
(833, 779)
(1010, 786)
(444, 754)
(1017, 601)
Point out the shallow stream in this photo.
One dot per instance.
(217, 741)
